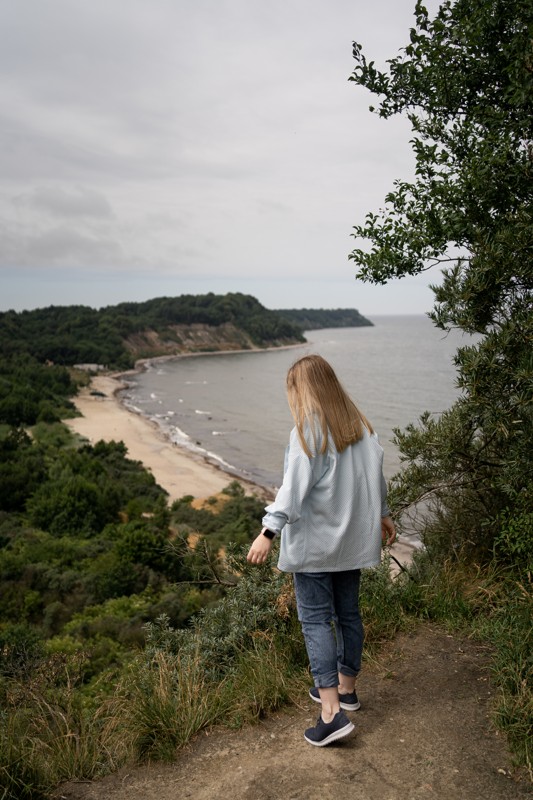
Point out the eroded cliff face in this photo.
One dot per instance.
(194, 338)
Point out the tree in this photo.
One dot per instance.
(465, 81)
(22, 468)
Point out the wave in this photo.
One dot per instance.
(178, 436)
(132, 407)
(221, 461)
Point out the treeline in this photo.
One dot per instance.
(68, 335)
(309, 319)
(33, 392)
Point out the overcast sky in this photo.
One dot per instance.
(162, 147)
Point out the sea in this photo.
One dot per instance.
(231, 408)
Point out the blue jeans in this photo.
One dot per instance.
(328, 610)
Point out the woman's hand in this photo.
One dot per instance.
(388, 531)
(258, 552)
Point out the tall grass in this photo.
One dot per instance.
(508, 627)
(242, 658)
(50, 732)
(165, 702)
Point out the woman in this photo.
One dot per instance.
(332, 512)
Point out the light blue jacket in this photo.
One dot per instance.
(329, 507)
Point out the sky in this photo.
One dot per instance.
(164, 147)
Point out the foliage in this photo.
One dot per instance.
(465, 82)
(22, 468)
(509, 630)
(20, 648)
(310, 319)
(513, 543)
(89, 551)
(237, 520)
(31, 391)
(50, 735)
(70, 335)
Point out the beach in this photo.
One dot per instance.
(175, 470)
(180, 472)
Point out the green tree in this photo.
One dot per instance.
(465, 81)
(70, 506)
(22, 468)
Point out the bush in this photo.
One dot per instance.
(20, 648)
(514, 542)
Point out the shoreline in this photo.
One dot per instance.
(177, 470)
(142, 363)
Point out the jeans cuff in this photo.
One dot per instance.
(328, 680)
(348, 671)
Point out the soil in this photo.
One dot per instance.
(424, 730)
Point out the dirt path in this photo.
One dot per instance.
(424, 731)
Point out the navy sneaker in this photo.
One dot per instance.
(327, 732)
(349, 702)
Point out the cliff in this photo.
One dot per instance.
(197, 337)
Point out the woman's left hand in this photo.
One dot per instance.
(260, 549)
(388, 531)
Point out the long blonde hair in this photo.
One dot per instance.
(317, 400)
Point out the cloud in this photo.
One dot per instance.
(216, 141)
(72, 202)
(63, 246)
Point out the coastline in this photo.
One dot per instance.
(180, 472)
(177, 471)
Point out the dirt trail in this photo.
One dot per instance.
(424, 731)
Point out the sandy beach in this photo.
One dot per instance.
(176, 470)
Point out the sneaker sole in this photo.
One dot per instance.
(340, 734)
(344, 706)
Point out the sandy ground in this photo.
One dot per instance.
(424, 731)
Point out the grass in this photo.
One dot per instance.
(55, 729)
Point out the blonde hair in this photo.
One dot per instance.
(317, 400)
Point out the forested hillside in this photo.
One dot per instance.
(68, 335)
(310, 319)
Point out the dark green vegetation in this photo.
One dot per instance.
(32, 392)
(310, 319)
(90, 551)
(70, 335)
(465, 81)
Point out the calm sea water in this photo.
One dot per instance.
(232, 409)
